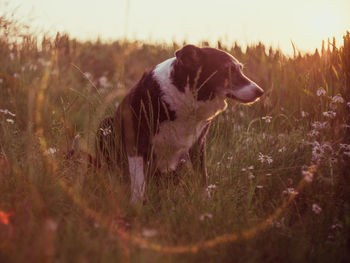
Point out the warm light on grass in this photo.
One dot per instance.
(278, 170)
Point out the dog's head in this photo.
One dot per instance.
(213, 72)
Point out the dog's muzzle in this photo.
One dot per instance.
(246, 94)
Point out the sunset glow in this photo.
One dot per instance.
(273, 22)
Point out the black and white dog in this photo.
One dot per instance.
(165, 117)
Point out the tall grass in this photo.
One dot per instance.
(52, 209)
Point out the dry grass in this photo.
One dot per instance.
(56, 210)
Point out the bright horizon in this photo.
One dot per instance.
(273, 22)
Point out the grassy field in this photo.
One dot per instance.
(279, 170)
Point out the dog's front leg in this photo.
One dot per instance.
(137, 178)
(135, 159)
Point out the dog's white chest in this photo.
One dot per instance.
(175, 138)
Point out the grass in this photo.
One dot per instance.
(54, 210)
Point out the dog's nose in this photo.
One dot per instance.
(259, 91)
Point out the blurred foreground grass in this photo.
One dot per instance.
(54, 210)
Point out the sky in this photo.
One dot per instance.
(274, 22)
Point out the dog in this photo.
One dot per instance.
(164, 119)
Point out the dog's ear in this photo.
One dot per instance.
(189, 56)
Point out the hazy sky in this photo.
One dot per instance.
(274, 22)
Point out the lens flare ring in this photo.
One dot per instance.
(137, 240)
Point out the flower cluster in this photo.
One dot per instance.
(320, 150)
(329, 114)
(265, 158)
(7, 112)
(317, 127)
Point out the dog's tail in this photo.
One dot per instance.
(75, 153)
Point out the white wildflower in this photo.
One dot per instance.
(283, 149)
(204, 216)
(1, 81)
(347, 153)
(106, 131)
(244, 169)
(308, 176)
(338, 99)
(10, 121)
(348, 104)
(51, 151)
(33, 67)
(16, 75)
(44, 63)
(337, 226)
(211, 186)
(268, 174)
(210, 189)
(279, 224)
(88, 75)
(149, 232)
(267, 119)
(104, 82)
(265, 158)
(321, 92)
(259, 186)
(251, 176)
(304, 114)
(329, 114)
(251, 167)
(290, 191)
(316, 208)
